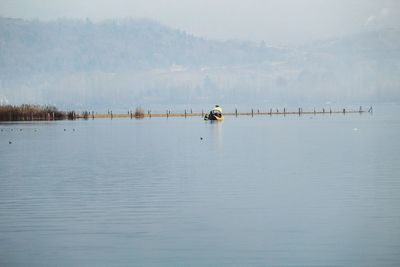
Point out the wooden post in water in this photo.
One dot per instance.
(252, 113)
(53, 115)
(258, 111)
(191, 111)
(167, 113)
(370, 110)
(323, 110)
(202, 113)
(284, 111)
(236, 112)
(111, 114)
(360, 109)
(299, 112)
(92, 114)
(344, 111)
(270, 111)
(185, 113)
(314, 111)
(330, 111)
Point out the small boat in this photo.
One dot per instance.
(215, 114)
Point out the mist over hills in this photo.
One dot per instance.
(111, 46)
(123, 63)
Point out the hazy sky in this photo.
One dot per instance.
(275, 21)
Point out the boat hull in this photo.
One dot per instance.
(215, 118)
(212, 117)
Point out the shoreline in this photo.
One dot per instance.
(49, 113)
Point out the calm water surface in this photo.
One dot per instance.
(262, 191)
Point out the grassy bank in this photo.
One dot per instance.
(31, 113)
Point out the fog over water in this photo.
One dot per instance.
(123, 54)
(304, 189)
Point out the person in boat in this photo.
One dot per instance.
(215, 114)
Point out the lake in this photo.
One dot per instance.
(318, 190)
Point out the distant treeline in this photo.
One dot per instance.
(27, 112)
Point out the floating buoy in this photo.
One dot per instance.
(201, 138)
(9, 142)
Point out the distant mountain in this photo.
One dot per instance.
(376, 44)
(363, 66)
(28, 47)
(123, 63)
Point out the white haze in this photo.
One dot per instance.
(331, 51)
(274, 21)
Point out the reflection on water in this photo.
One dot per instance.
(216, 129)
(262, 191)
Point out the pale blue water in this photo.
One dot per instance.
(262, 191)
